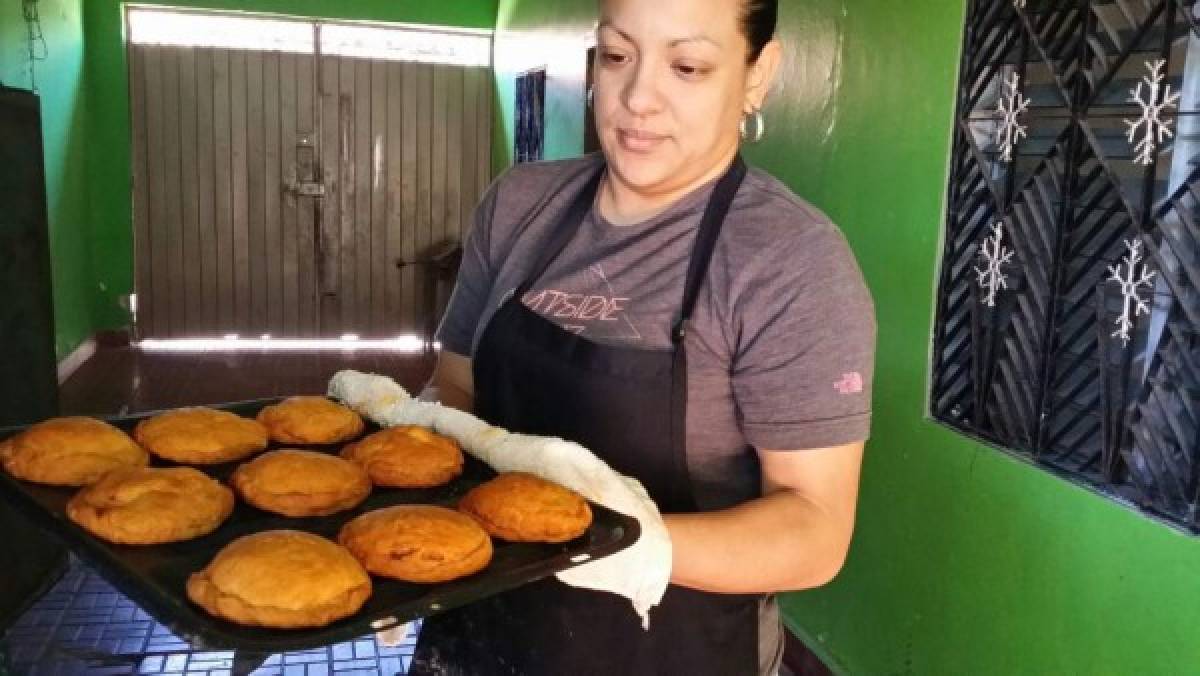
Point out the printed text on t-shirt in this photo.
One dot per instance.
(564, 306)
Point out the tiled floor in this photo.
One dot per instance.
(83, 625)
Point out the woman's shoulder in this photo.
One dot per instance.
(767, 216)
(779, 251)
(763, 194)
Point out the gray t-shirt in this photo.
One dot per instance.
(781, 345)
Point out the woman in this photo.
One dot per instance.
(693, 323)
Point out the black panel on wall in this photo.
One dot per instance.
(28, 375)
(28, 379)
(530, 116)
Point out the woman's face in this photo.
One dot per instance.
(671, 84)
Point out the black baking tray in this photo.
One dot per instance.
(155, 576)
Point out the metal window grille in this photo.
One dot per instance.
(1067, 139)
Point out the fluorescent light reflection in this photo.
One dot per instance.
(232, 343)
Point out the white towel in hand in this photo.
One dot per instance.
(640, 573)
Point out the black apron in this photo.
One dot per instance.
(629, 407)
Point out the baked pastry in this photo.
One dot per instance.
(521, 507)
(281, 578)
(201, 436)
(301, 483)
(72, 451)
(146, 505)
(408, 456)
(418, 543)
(310, 420)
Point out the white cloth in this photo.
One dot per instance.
(640, 572)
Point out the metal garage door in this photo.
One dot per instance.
(296, 189)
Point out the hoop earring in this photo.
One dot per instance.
(590, 96)
(760, 126)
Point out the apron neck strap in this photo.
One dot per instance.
(706, 241)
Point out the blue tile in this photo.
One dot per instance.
(66, 632)
(318, 670)
(26, 653)
(126, 628)
(45, 619)
(391, 666)
(387, 651)
(213, 655)
(294, 670)
(107, 670)
(123, 614)
(177, 662)
(20, 632)
(86, 617)
(132, 645)
(44, 668)
(152, 665)
(346, 665)
(267, 671)
(206, 665)
(364, 649)
(304, 658)
(108, 645)
(343, 651)
(165, 645)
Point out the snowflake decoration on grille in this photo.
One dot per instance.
(1011, 105)
(1151, 129)
(993, 254)
(1126, 274)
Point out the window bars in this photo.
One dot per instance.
(1069, 293)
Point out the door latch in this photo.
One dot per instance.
(306, 188)
(310, 189)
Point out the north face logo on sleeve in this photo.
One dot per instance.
(851, 383)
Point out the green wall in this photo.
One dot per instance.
(965, 560)
(109, 164)
(61, 83)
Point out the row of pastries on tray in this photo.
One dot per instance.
(288, 578)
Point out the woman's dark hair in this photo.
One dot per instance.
(758, 24)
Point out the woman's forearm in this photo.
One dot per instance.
(780, 542)
(454, 397)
